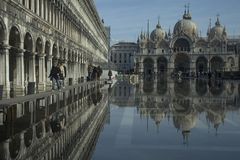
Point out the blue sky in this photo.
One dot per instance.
(128, 17)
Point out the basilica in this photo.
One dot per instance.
(184, 50)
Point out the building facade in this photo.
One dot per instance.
(185, 51)
(35, 34)
(122, 56)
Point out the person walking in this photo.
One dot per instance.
(62, 74)
(54, 76)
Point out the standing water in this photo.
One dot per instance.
(170, 120)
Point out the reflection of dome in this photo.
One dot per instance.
(157, 34)
(186, 26)
(218, 31)
(185, 122)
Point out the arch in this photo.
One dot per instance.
(148, 64)
(182, 63)
(61, 52)
(182, 87)
(148, 86)
(39, 130)
(216, 87)
(181, 44)
(162, 64)
(3, 31)
(215, 43)
(201, 64)
(201, 43)
(28, 47)
(28, 42)
(15, 43)
(47, 48)
(201, 87)
(15, 37)
(65, 55)
(231, 62)
(216, 64)
(14, 146)
(162, 86)
(39, 45)
(28, 137)
(55, 51)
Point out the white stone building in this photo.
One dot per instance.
(33, 34)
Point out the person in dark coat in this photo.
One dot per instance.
(54, 77)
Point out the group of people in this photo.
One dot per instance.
(57, 75)
(94, 73)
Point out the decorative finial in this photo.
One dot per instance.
(218, 21)
(185, 11)
(188, 8)
(158, 25)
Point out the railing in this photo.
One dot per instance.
(78, 90)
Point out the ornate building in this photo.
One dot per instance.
(122, 56)
(184, 50)
(34, 34)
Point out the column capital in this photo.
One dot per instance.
(4, 48)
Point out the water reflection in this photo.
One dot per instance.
(182, 102)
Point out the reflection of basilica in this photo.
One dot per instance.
(184, 101)
(185, 50)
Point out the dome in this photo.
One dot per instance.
(186, 26)
(218, 31)
(157, 34)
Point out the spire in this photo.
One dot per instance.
(187, 14)
(169, 32)
(218, 21)
(158, 25)
(209, 26)
(148, 29)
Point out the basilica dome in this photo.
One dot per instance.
(157, 34)
(218, 31)
(186, 26)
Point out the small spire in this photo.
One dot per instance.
(218, 21)
(169, 32)
(188, 8)
(148, 29)
(185, 11)
(158, 25)
(210, 26)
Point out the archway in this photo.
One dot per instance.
(201, 65)
(181, 45)
(201, 87)
(47, 59)
(14, 42)
(148, 68)
(182, 63)
(162, 65)
(2, 31)
(217, 64)
(28, 46)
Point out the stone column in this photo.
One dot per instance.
(4, 71)
(32, 71)
(19, 89)
(49, 67)
(42, 79)
(38, 7)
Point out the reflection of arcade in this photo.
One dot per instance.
(186, 100)
(96, 97)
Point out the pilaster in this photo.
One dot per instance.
(4, 71)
